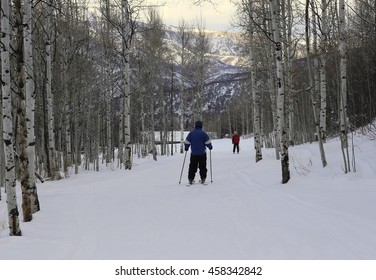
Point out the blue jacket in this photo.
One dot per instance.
(198, 140)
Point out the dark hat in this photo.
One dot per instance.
(198, 124)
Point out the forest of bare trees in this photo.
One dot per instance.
(81, 89)
(312, 72)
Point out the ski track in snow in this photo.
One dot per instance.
(246, 213)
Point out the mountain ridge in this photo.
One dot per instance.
(229, 66)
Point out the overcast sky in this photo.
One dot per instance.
(218, 17)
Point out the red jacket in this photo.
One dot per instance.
(235, 139)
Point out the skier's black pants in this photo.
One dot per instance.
(200, 162)
(236, 146)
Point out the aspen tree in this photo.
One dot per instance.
(287, 14)
(49, 97)
(200, 69)
(185, 37)
(107, 37)
(172, 107)
(67, 110)
(7, 120)
(23, 160)
(271, 84)
(2, 155)
(63, 24)
(254, 89)
(343, 86)
(274, 10)
(2, 159)
(30, 101)
(125, 131)
(313, 88)
(154, 47)
(323, 59)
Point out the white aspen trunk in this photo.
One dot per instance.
(291, 96)
(164, 119)
(181, 95)
(316, 73)
(316, 91)
(273, 98)
(108, 127)
(7, 120)
(97, 131)
(126, 83)
(291, 119)
(323, 84)
(182, 103)
(67, 130)
(76, 120)
(273, 91)
(185, 37)
(171, 152)
(121, 131)
(256, 113)
(2, 152)
(23, 160)
(50, 117)
(67, 113)
(76, 131)
(201, 50)
(281, 92)
(343, 85)
(152, 129)
(121, 155)
(312, 86)
(262, 129)
(152, 117)
(30, 102)
(108, 88)
(88, 116)
(127, 136)
(255, 93)
(97, 139)
(143, 128)
(2, 155)
(200, 95)
(66, 133)
(161, 143)
(154, 51)
(287, 66)
(163, 115)
(323, 103)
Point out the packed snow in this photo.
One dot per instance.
(244, 213)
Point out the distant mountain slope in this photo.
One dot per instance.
(229, 66)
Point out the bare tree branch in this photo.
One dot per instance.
(199, 2)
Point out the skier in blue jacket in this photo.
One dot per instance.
(198, 140)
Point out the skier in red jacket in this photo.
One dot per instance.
(235, 141)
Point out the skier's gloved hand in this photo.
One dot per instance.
(210, 147)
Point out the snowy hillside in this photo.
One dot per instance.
(223, 46)
(246, 213)
(228, 69)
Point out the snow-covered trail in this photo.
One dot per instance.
(246, 213)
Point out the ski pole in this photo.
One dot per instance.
(211, 171)
(181, 173)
